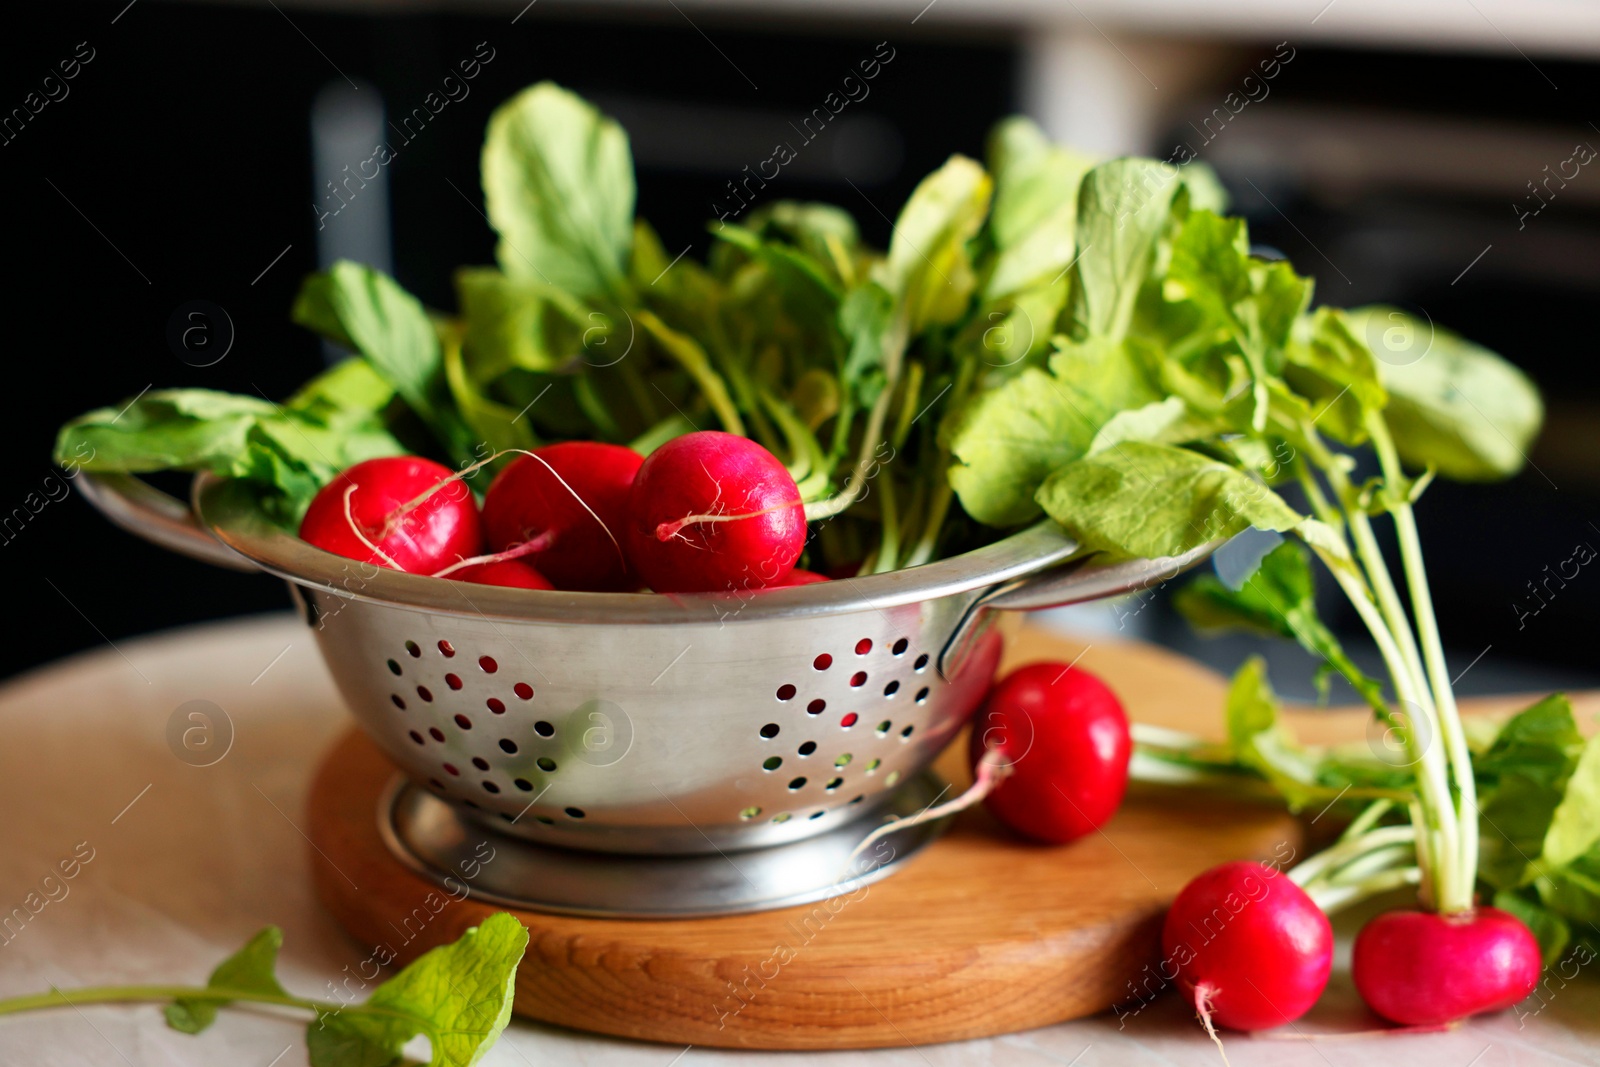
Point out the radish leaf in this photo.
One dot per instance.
(1034, 221)
(1454, 406)
(1139, 499)
(558, 187)
(248, 970)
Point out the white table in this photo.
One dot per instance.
(188, 861)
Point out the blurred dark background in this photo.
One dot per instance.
(189, 157)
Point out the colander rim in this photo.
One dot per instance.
(232, 517)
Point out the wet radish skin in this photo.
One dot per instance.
(1066, 737)
(527, 500)
(442, 530)
(713, 473)
(1420, 968)
(1248, 945)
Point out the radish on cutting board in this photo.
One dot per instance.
(1251, 949)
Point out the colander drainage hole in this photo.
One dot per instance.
(786, 691)
(490, 787)
(394, 668)
(863, 646)
(447, 649)
(906, 733)
(395, 698)
(858, 679)
(508, 746)
(922, 695)
(415, 652)
(834, 783)
(849, 720)
(772, 763)
(857, 799)
(749, 813)
(770, 730)
(782, 816)
(489, 666)
(423, 692)
(576, 813)
(883, 728)
(523, 784)
(822, 662)
(463, 722)
(921, 664)
(843, 761)
(891, 689)
(523, 690)
(416, 737)
(436, 784)
(900, 647)
(480, 763)
(453, 681)
(817, 814)
(808, 748)
(797, 784)
(436, 733)
(543, 729)
(891, 778)
(546, 764)
(547, 820)
(816, 707)
(450, 769)
(507, 816)
(496, 705)
(873, 765)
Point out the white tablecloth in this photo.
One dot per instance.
(188, 861)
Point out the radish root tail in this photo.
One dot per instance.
(991, 771)
(582, 502)
(427, 494)
(411, 505)
(536, 544)
(361, 536)
(666, 531)
(1202, 1008)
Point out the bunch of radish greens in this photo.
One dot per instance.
(1046, 337)
(842, 360)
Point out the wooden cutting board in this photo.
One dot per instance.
(980, 933)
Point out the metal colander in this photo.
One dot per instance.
(643, 723)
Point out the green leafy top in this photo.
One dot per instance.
(458, 996)
(1047, 335)
(558, 186)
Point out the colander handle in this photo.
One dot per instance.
(1090, 578)
(1073, 582)
(146, 511)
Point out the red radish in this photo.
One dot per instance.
(711, 511)
(508, 572)
(404, 512)
(1420, 968)
(797, 577)
(1250, 949)
(1062, 738)
(576, 493)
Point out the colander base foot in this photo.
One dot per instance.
(465, 857)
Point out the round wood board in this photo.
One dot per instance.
(981, 933)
